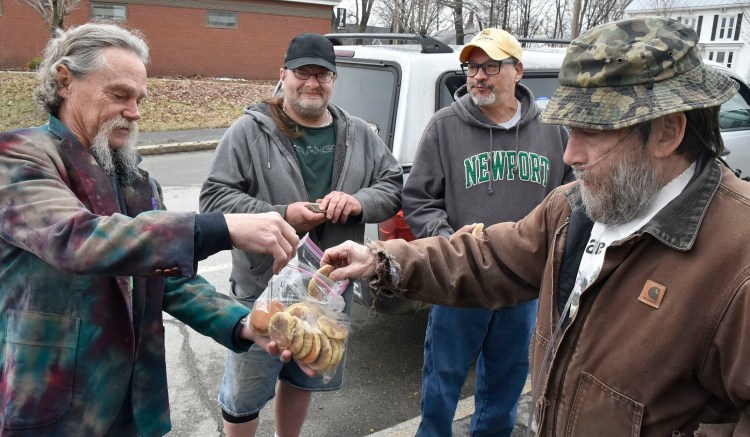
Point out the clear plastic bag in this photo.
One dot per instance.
(303, 311)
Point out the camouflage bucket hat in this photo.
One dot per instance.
(630, 71)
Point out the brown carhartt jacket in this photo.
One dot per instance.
(661, 342)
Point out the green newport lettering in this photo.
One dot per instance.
(535, 177)
(482, 166)
(511, 164)
(498, 165)
(523, 166)
(470, 171)
(545, 169)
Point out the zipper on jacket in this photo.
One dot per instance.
(566, 364)
(539, 387)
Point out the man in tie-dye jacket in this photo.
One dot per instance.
(89, 259)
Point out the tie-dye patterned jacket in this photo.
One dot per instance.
(82, 289)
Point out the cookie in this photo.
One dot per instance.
(282, 327)
(332, 328)
(312, 287)
(478, 230)
(326, 352)
(261, 315)
(337, 352)
(308, 336)
(298, 340)
(304, 311)
(314, 349)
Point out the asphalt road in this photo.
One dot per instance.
(383, 372)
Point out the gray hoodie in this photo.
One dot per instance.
(255, 169)
(467, 169)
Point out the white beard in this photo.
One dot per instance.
(125, 159)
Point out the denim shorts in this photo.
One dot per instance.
(250, 377)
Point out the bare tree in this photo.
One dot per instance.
(529, 17)
(366, 10)
(422, 17)
(457, 8)
(53, 12)
(561, 13)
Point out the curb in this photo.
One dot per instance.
(160, 149)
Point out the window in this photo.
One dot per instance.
(690, 21)
(726, 27)
(222, 19)
(725, 58)
(371, 93)
(109, 11)
(735, 113)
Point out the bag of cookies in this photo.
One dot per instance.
(303, 311)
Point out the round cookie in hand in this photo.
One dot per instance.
(261, 315)
(308, 336)
(298, 341)
(324, 358)
(312, 286)
(304, 311)
(282, 327)
(337, 352)
(332, 328)
(314, 349)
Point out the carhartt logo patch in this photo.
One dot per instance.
(652, 294)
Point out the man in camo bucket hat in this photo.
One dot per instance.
(640, 267)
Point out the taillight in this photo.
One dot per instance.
(394, 228)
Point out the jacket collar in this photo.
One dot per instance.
(676, 225)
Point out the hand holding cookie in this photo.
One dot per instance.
(313, 289)
(478, 230)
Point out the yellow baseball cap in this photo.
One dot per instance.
(497, 43)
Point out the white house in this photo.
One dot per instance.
(722, 26)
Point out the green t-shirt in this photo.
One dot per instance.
(315, 150)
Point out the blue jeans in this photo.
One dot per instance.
(499, 342)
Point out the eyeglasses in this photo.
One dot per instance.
(490, 68)
(320, 77)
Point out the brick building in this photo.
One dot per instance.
(214, 38)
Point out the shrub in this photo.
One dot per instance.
(33, 63)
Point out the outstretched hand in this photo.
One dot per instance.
(263, 233)
(351, 260)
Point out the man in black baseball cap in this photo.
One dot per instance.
(285, 154)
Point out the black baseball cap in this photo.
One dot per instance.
(310, 49)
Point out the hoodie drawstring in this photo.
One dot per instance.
(490, 191)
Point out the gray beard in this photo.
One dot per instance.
(628, 194)
(125, 159)
(308, 109)
(483, 101)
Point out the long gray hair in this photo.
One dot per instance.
(81, 49)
